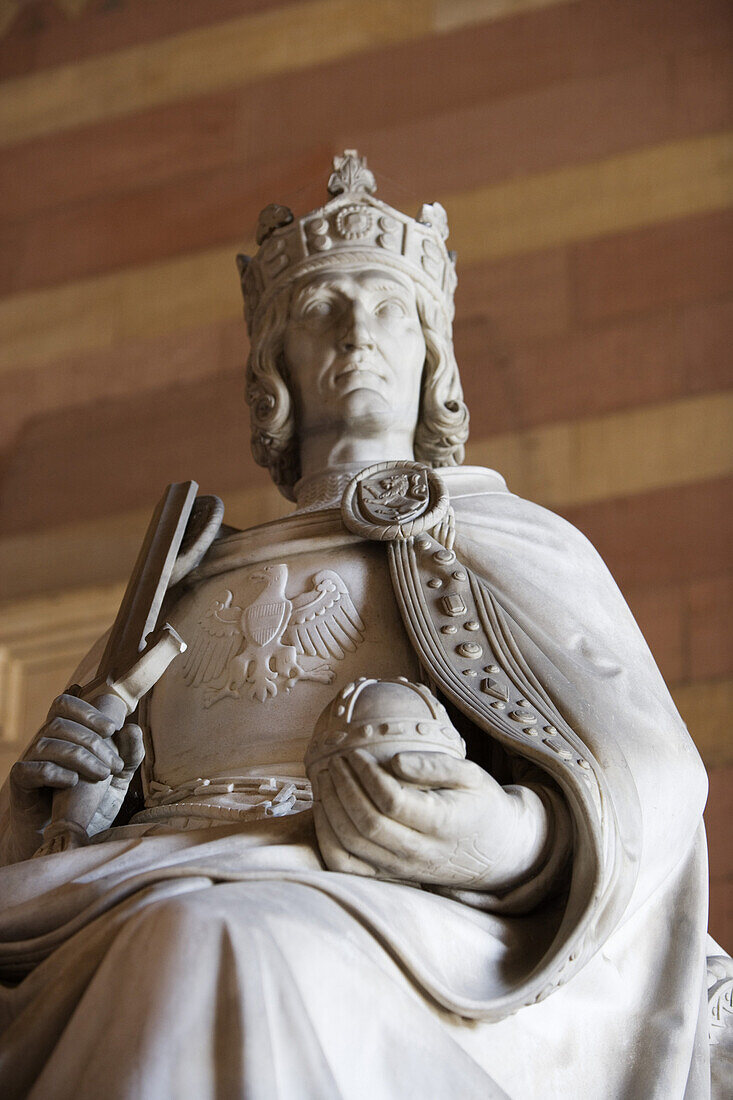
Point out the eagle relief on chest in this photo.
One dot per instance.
(270, 643)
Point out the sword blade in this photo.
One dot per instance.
(140, 607)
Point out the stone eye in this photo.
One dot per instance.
(391, 308)
(319, 309)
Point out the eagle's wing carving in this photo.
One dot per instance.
(215, 644)
(324, 621)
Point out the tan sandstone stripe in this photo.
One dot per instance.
(450, 14)
(559, 465)
(236, 52)
(9, 9)
(655, 184)
(617, 455)
(645, 187)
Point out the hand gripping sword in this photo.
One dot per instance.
(135, 657)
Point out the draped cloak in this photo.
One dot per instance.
(227, 961)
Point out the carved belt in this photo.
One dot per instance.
(264, 796)
(465, 643)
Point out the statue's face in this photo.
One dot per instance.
(355, 350)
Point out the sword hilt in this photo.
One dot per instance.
(73, 809)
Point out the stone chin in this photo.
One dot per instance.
(364, 403)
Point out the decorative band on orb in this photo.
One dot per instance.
(394, 501)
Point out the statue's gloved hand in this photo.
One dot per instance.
(78, 740)
(430, 818)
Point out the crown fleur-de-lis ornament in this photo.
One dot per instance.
(350, 173)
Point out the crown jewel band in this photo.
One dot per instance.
(351, 230)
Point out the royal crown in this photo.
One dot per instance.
(351, 230)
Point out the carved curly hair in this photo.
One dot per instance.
(442, 427)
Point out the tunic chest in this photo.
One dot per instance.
(269, 645)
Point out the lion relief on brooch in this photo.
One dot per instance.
(259, 648)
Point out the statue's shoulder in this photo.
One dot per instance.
(469, 483)
(486, 509)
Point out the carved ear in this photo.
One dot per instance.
(242, 263)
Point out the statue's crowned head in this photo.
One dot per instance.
(352, 233)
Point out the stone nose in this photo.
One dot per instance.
(355, 331)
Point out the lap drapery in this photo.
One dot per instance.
(254, 989)
(227, 962)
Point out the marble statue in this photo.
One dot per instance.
(416, 813)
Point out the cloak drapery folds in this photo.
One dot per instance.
(229, 955)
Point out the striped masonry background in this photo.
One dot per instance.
(584, 152)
